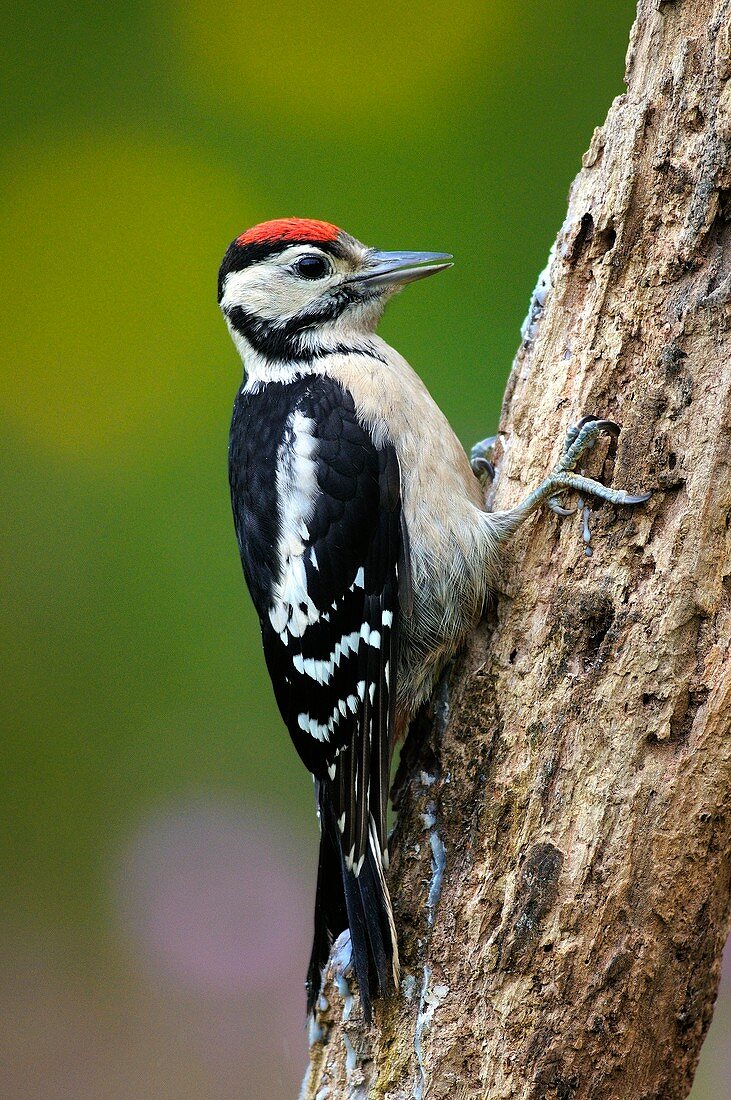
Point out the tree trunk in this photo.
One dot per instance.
(560, 867)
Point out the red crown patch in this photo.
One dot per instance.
(289, 229)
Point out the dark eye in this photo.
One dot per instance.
(312, 267)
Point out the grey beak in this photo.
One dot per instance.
(399, 268)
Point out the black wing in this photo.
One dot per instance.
(332, 659)
(323, 556)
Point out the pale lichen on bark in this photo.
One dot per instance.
(576, 780)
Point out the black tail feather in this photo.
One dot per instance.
(359, 939)
(358, 902)
(330, 913)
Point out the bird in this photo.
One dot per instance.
(365, 540)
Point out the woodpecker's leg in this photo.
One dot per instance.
(580, 439)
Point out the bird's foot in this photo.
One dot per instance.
(563, 478)
(481, 459)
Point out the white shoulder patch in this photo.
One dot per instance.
(292, 610)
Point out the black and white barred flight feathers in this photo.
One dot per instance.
(318, 517)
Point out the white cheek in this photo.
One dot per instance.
(251, 289)
(269, 293)
(296, 294)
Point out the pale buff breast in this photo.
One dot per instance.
(396, 406)
(450, 548)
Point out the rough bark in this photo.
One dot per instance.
(574, 779)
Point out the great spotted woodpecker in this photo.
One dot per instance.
(364, 538)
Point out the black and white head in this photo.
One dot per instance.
(294, 289)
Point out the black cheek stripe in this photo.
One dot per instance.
(286, 343)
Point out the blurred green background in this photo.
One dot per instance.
(158, 832)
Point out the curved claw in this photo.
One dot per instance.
(583, 437)
(586, 420)
(605, 425)
(559, 509)
(636, 498)
(482, 467)
(608, 426)
(584, 434)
